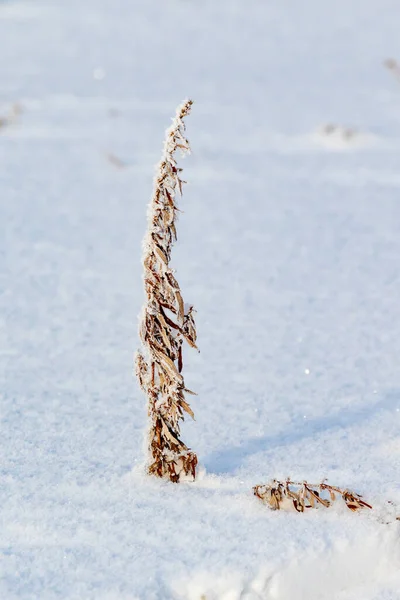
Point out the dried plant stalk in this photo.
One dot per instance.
(165, 320)
(301, 496)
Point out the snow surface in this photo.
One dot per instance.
(289, 248)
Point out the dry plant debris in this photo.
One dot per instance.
(117, 162)
(12, 117)
(301, 496)
(393, 66)
(346, 133)
(166, 322)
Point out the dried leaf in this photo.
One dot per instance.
(169, 198)
(169, 307)
(171, 323)
(173, 229)
(179, 299)
(332, 495)
(180, 361)
(160, 254)
(317, 497)
(169, 434)
(190, 392)
(167, 363)
(187, 408)
(189, 340)
(165, 338)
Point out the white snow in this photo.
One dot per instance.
(289, 249)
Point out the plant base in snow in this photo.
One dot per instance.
(301, 496)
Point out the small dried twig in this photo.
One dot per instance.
(301, 496)
(393, 66)
(116, 161)
(166, 322)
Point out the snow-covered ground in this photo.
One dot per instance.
(289, 248)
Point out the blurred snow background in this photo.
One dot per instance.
(289, 248)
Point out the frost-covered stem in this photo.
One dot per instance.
(165, 321)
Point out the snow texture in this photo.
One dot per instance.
(289, 248)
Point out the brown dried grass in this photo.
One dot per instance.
(165, 321)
